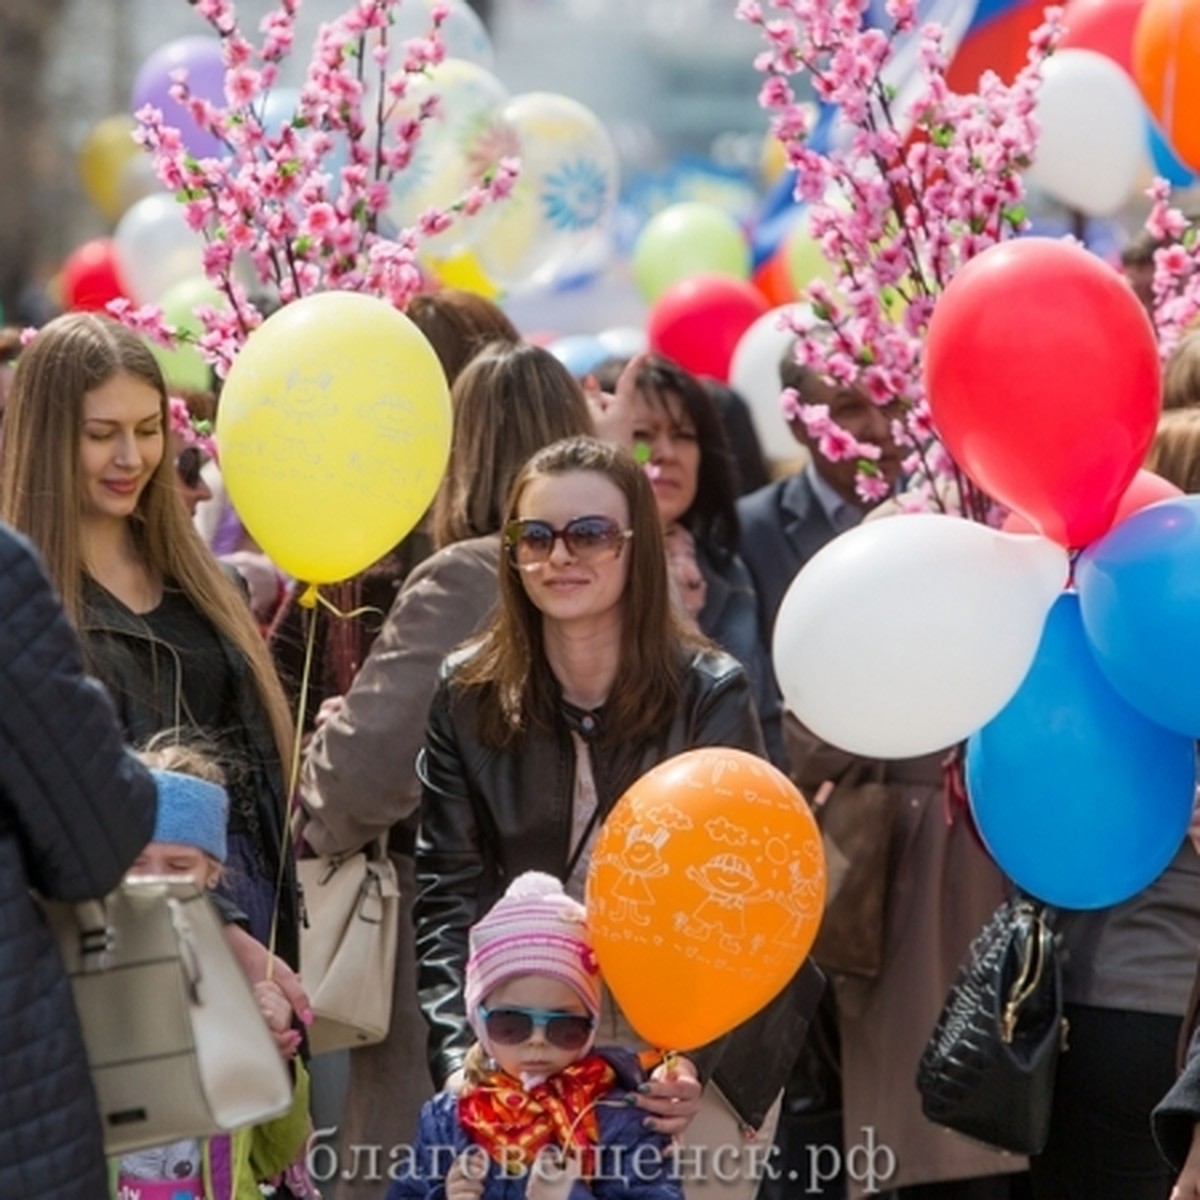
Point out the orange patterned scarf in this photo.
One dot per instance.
(513, 1124)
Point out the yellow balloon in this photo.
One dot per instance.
(106, 149)
(462, 270)
(333, 431)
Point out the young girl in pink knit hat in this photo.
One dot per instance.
(542, 1114)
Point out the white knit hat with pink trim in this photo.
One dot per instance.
(535, 928)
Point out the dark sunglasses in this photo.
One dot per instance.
(531, 542)
(188, 464)
(512, 1026)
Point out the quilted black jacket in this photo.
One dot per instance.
(75, 809)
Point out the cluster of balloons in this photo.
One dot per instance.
(1071, 687)
(694, 264)
(1127, 68)
(707, 884)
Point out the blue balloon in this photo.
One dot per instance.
(1166, 161)
(1139, 590)
(580, 353)
(1081, 799)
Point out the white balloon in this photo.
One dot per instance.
(463, 33)
(156, 248)
(754, 375)
(1093, 141)
(908, 633)
(557, 221)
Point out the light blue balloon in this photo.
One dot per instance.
(1081, 799)
(1139, 591)
(580, 353)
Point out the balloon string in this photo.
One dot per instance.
(293, 781)
(311, 598)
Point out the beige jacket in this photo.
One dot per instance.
(358, 777)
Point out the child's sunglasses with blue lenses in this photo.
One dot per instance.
(512, 1026)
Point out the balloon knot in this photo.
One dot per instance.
(308, 597)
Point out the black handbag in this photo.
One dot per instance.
(988, 1069)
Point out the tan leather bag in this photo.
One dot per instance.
(856, 828)
(348, 946)
(176, 1043)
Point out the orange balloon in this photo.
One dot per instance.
(1166, 67)
(704, 894)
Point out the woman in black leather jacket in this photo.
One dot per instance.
(585, 679)
(87, 477)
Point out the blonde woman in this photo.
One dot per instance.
(87, 477)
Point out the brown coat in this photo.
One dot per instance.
(941, 886)
(359, 782)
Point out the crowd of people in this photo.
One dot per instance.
(592, 592)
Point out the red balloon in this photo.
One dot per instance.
(1147, 488)
(1044, 382)
(700, 320)
(1105, 26)
(90, 278)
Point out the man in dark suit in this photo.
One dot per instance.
(785, 523)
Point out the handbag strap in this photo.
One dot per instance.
(97, 938)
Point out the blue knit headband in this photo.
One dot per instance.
(191, 812)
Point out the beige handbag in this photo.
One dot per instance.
(348, 946)
(176, 1043)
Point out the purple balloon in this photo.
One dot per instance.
(201, 58)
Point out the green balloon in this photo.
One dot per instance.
(689, 239)
(184, 366)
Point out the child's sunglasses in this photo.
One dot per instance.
(512, 1026)
(189, 462)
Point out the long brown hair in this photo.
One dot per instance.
(508, 403)
(40, 492)
(1175, 451)
(517, 689)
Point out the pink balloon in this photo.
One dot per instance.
(1147, 488)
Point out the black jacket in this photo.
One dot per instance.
(141, 673)
(75, 809)
(487, 816)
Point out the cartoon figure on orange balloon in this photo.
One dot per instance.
(729, 881)
(638, 860)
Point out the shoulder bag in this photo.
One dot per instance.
(348, 946)
(988, 1070)
(176, 1044)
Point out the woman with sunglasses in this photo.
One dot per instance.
(87, 477)
(358, 781)
(584, 680)
(541, 1105)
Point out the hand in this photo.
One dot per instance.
(612, 413)
(672, 1096)
(259, 965)
(454, 1082)
(553, 1175)
(685, 574)
(1187, 1186)
(277, 1013)
(466, 1177)
(329, 709)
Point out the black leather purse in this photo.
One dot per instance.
(988, 1069)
